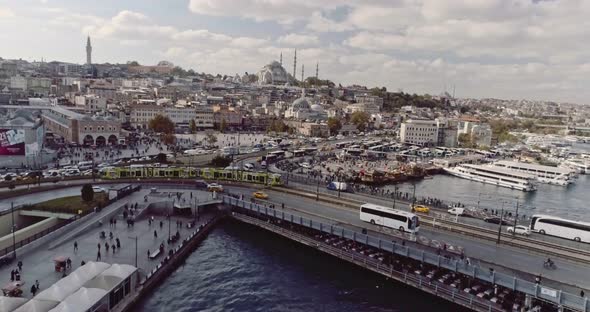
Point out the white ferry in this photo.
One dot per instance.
(543, 174)
(495, 176)
(580, 165)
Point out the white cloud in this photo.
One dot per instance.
(299, 40)
(6, 12)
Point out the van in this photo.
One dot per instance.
(456, 211)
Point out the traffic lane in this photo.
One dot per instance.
(466, 220)
(502, 258)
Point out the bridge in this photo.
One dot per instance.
(328, 222)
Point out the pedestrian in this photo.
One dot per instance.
(69, 263)
(148, 253)
(98, 246)
(82, 263)
(12, 274)
(155, 234)
(37, 284)
(582, 293)
(106, 247)
(118, 243)
(20, 266)
(75, 246)
(161, 224)
(33, 290)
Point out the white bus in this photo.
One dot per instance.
(575, 230)
(85, 165)
(396, 219)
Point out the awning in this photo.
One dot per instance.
(35, 305)
(9, 304)
(81, 300)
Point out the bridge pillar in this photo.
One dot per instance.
(528, 300)
(422, 255)
(514, 283)
(438, 259)
(379, 243)
(493, 277)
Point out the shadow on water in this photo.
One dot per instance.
(242, 268)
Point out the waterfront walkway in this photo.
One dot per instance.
(38, 264)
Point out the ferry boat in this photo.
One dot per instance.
(580, 165)
(495, 176)
(543, 174)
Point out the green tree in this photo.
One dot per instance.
(133, 63)
(211, 139)
(221, 161)
(192, 126)
(161, 124)
(222, 125)
(87, 193)
(360, 120)
(334, 124)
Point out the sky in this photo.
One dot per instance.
(509, 49)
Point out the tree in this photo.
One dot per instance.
(334, 124)
(360, 120)
(211, 139)
(161, 124)
(192, 126)
(161, 158)
(221, 161)
(222, 125)
(133, 63)
(168, 138)
(87, 193)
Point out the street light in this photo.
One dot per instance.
(395, 189)
(13, 229)
(135, 238)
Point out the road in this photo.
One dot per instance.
(502, 258)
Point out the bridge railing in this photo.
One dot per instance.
(557, 297)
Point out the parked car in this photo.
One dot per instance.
(456, 211)
(519, 229)
(98, 189)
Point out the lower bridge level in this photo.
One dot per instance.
(450, 279)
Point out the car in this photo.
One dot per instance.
(420, 208)
(98, 189)
(214, 187)
(456, 211)
(495, 220)
(519, 229)
(260, 195)
(305, 165)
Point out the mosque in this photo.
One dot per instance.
(273, 74)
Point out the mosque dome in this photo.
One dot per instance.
(301, 104)
(317, 108)
(273, 73)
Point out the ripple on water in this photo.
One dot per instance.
(242, 268)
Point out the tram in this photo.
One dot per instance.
(138, 171)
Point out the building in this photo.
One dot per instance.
(204, 117)
(18, 83)
(21, 134)
(369, 99)
(300, 109)
(273, 74)
(369, 108)
(140, 114)
(480, 133)
(103, 89)
(181, 116)
(311, 129)
(419, 132)
(91, 103)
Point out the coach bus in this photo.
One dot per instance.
(391, 218)
(554, 226)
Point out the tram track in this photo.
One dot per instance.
(537, 246)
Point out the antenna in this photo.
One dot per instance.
(302, 71)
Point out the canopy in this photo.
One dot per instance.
(69, 284)
(82, 300)
(107, 283)
(35, 305)
(122, 271)
(9, 304)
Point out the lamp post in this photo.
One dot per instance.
(135, 238)
(515, 219)
(170, 219)
(13, 229)
(395, 189)
(500, 225)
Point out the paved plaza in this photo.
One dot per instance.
(39, 264)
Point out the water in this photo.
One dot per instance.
(243, 268)
(568, 202)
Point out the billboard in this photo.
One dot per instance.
(12, 142)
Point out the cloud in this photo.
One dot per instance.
(299, 40)
(6, 12)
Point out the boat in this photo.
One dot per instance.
(543, 174)
(494, 175)
(580, 165)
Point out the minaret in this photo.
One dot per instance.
(317, 69)
(88, 52)
(281, 59)
(302, 71)
(295, 66)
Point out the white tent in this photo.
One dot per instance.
(121, 271)
(35, 305)
(69, 284)
(82, 300)
(107, 283)
(9, 304)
